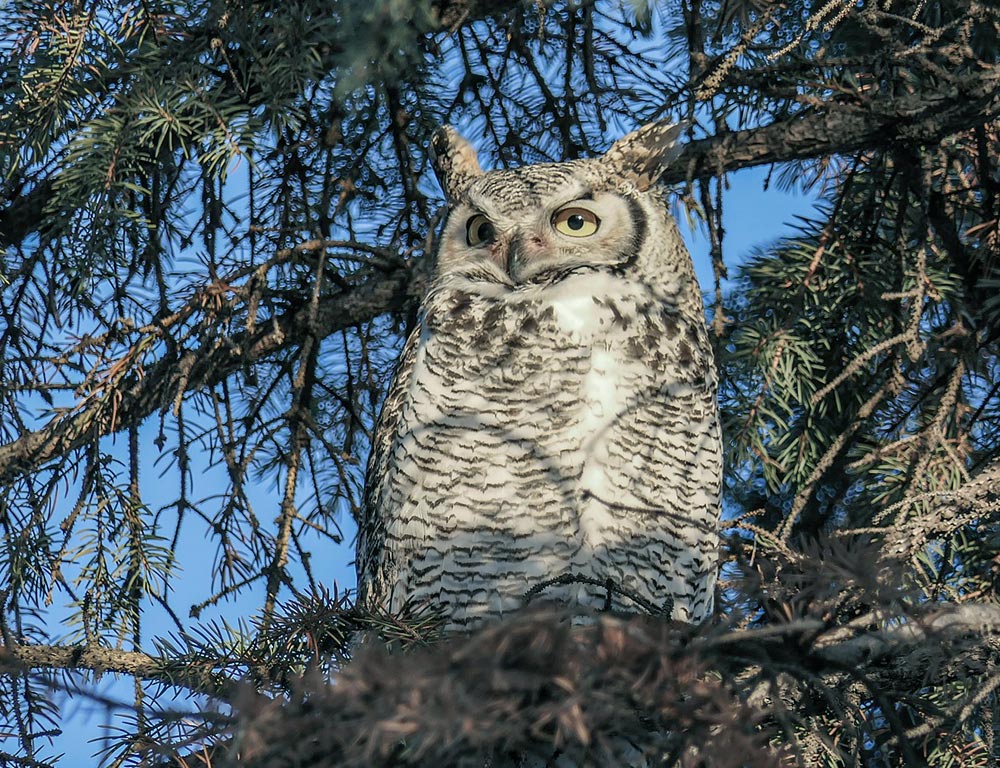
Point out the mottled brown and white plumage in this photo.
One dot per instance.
(554, 410)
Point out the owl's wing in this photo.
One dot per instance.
(371, 562)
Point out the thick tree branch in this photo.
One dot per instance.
(841, 128)
(98, 659)
(909, 645)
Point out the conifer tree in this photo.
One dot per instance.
(215, 225)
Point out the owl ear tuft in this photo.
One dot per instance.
(455, 161)
(641, 156)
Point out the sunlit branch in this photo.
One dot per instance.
(101, 660)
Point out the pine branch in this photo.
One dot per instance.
(538, 685)
(198, 369)
(453, 13)
(976, 501)
(842, 128)
(909, 645)
(99, 659)
(24, 201)
(839, 128)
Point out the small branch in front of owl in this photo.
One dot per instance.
(706, 527)
(610, 588)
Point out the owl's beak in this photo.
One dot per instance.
(500, 252)
(523, 250)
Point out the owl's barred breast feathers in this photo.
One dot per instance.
(552, 427)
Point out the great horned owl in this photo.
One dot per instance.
(552, 427)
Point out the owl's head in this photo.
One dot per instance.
(523, 225)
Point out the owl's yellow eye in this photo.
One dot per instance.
(576, 222)
(479, 230)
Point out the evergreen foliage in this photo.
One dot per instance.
(215, 223)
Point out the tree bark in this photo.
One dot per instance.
(99, 659)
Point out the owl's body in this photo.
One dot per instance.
(553, 426)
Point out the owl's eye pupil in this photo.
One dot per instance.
(575, 221)
(485, 232)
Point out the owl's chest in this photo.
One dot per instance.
(566, 356)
